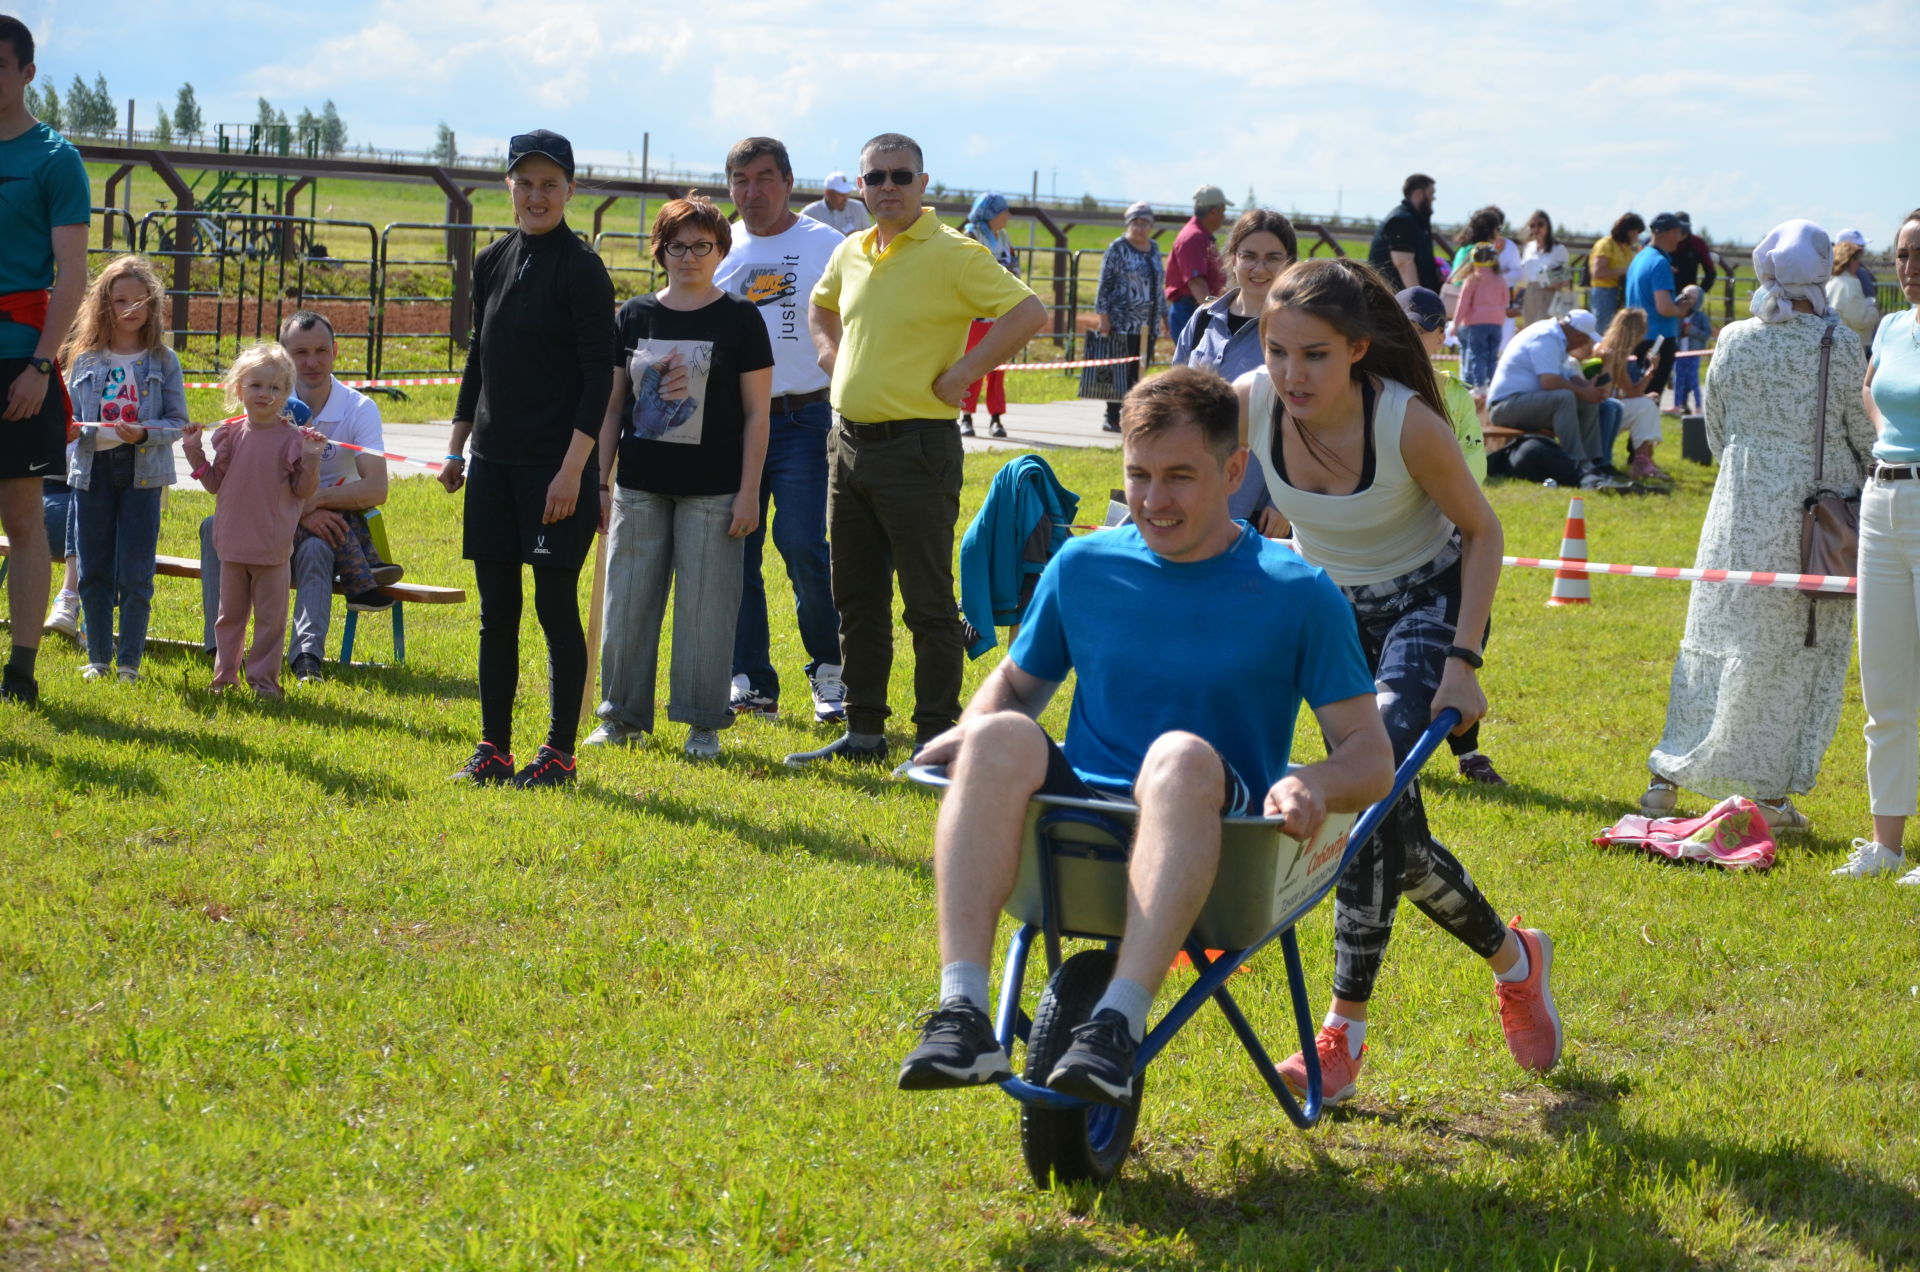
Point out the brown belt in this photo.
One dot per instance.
(788, 403)
(1897, 472)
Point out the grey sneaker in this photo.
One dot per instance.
(306, 668)
(128, 675)
(841, 748)
(1784, 819)
(702, 744)
(614, 733)
(829, 694)
(94, 671)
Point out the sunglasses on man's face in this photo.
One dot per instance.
(889, 176)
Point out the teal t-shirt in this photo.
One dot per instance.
(1225, 648)
(42, 184)
(1896, 387)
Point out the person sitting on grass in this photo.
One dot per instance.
(1190, 717)
(262, 472)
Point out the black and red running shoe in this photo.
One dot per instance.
(549, 768)
(488, 766)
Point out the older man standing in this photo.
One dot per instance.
(776, 259)
(889, 322)
(351, 482)
(1651, 286)
(1403, 245)
(1194, 273)
(837, 207)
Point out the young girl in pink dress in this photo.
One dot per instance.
(262, 471)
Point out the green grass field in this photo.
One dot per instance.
(274, 995)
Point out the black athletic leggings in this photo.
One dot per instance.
(556, 603)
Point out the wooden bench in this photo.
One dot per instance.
(176, 567)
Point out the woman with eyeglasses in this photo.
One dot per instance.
(686, 433)
(1544, 270)
(1224, 333)
(531, 399)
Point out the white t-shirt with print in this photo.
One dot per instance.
(351, 417)
(848, 220)
(776, 275)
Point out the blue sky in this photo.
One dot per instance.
(1745, 114)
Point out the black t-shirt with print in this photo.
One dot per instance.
(686, 444)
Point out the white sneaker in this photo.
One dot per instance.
(94, 671)
(744, 699)
(1911, 879)
(829, 694)
(614, 733)
(702, 744)
(1870, 858)
(64, 617)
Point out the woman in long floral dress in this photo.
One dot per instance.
(1754, 704)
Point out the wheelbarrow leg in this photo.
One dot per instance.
(1303, 1019)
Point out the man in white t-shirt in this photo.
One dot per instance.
(1534, 390)
(351, 482)
(838, 208)
(776, 259)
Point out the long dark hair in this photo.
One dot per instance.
(1544, 219)
(1626, 227)
(1351, 298)
(1480, 227)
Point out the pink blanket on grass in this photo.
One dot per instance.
(1733, 834)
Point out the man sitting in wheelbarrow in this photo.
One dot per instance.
(1195, 641)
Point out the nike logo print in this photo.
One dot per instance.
(34, 468)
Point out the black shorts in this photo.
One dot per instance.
(1237, 800)
(34, 447)
(504, 505)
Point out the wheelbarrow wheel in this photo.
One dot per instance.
(1067, 1145)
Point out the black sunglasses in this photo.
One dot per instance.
(884, 176)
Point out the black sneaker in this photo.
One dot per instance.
(1099, 1064)
(957, 1049)
(549, 768)
(840, 749)
(306, 668)
(24, 690)
(995, 428)
(372, 601)
(388, 575)
(966, 426)
(488, 766)
(1478, 768)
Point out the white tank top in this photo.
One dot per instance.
(1389, 529)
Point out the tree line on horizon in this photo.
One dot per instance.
(90, 111)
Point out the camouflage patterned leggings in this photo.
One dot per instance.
(1406, 625)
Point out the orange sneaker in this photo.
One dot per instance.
(1526, 1008)
(1339, 1068)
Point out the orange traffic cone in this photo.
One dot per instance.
(1570, 587)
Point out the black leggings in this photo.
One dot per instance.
(556, 602)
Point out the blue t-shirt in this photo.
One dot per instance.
(42, 184)
(1652, 271)
(1225, 648)
(1896, 387)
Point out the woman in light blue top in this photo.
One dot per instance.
(131, 401)
(1889, 565)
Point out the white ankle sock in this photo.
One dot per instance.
(1356, 1031)
(1131, 999)
(1468, 755)
(1518, 972)
(964, 980)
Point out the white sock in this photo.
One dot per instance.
(1518, 972)
(1131, 999)
(1468, 755)
(964, 980)
(1356, 1031)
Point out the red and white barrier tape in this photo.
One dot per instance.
(352, 384)
(1065, 366)
(1835, 583)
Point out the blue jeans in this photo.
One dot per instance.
(119, 534)
(1179, 312)
(63, 536)
(657, 542)
(795, 477)
(1605, 303)
(1479, 350)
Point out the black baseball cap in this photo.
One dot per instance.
(544, 142)
(1664, 222)
(1424, 308)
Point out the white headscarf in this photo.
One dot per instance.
(1792, 263)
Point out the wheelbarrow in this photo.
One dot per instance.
(1072, 885)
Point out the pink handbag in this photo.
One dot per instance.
(1733, 833)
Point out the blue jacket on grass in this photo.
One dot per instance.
(1009, 542)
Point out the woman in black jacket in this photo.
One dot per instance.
(539, 370)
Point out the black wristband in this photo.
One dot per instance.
(1466, 656)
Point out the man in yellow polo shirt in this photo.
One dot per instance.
(889, 321)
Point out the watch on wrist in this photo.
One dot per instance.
(43, 365)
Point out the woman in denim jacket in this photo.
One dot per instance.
(130, 402)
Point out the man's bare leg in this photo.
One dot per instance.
(29, 574)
